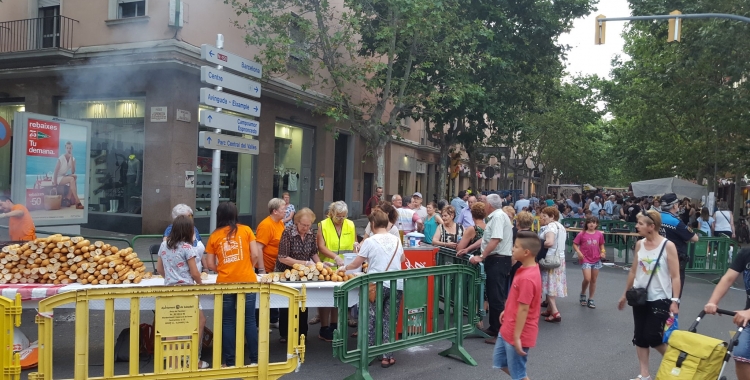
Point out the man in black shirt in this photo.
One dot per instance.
(633, 210)
(741, 264)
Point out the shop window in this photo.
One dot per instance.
(6, 157)
(117, 144)
(293, 164)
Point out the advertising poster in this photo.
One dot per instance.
(50, 168)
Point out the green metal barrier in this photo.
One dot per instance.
(414, 308)
(710, 255)
(447, 256)
(573, 222)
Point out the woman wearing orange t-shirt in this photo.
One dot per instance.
(231, 252)
(268, 235)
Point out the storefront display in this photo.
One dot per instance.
(292, 162)
(117, 144)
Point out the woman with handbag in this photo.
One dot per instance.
(554, 282)
(653, 280)
(383, 253)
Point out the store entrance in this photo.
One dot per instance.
(339, 167)
(293, 164)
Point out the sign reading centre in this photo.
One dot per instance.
(219, 99)
(210, 140)
(51, 168)
(216, 77)
(227, 122)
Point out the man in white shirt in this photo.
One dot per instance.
(609, 205)
(521, 203)
(408, 220)
(595, 206)
(497, 250)
(416, 205)
(464, 218)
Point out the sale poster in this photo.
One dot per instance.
(55, 153)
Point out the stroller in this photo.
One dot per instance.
(691, 356)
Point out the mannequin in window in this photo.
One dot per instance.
(65, 174)
(133, 180)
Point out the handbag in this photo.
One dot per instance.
(550, 262)
(372, 289)
(638, 296)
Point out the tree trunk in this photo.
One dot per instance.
(442, 177)
(739, 203)
(379, 151)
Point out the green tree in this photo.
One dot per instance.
(363, 56)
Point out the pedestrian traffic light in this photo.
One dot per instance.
(675, 27)
(601, 28)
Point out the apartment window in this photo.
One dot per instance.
(299, 48)
(50, 26)
(127, 9)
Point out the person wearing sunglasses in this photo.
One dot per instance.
(676, 231)
(655, 268)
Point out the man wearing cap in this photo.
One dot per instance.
(676, 231)
(416, 205)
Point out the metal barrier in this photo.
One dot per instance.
(414, 309)
(10, 317)
(176, 331)
(447, 256)
(710, 254)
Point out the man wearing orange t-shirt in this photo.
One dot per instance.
(20, 225)
(268, 235)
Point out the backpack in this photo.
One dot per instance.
(145, 343)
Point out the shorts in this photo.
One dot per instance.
(597, 265)
(741, 351)
(649, 321)
(505, 356)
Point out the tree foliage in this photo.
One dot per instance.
(681, 108)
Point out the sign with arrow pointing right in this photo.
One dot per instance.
(224, 79)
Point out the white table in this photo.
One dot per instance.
(319, 294)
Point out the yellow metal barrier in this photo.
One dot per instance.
(10, 316)
(176, 332)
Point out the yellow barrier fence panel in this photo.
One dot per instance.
(10, 317)
(177, 333)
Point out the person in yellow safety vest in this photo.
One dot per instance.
(336, 236)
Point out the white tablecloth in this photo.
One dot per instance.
(319, 294)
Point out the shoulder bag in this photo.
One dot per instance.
(372, 289)
(553, 261)
(639, 296)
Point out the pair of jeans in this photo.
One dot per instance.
(497, 269)
(229, 329)
(284, 322)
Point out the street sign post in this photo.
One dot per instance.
(230, 123)
(233, 82)
(210, 140)
(224, 58)
(219, 99)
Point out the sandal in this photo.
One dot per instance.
(554, 318)
(591, 304)
(546, 313)
(315, 320)
(582, 299)
(385, 363)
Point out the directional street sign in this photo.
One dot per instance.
(216, 77)
(231, 123)
(215, 98)
(210, 140)
(221, 57)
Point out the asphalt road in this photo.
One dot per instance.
(590, 344)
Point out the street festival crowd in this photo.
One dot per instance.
(521, 243)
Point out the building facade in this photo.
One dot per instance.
(121, 65)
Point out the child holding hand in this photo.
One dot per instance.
(518, 331)
(589, 245)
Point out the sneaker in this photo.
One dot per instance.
(275, 325)
(642, 378)
(326, 334)
(315, 320)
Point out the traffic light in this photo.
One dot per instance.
(601, 28)
(675, 27)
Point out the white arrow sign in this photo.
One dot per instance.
(210, 140)
(231, 123)
(216, 77)
(215, 98)
(221, 57)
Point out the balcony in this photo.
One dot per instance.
(36, 34)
